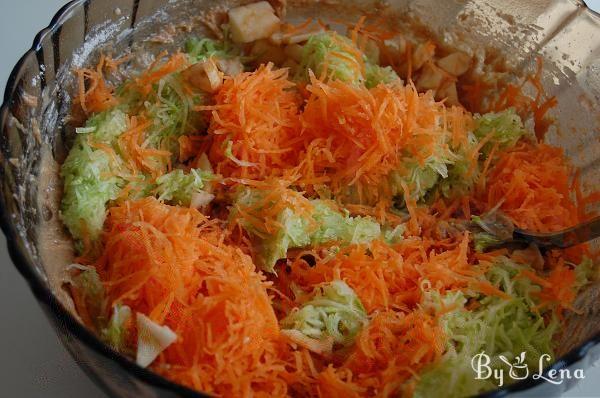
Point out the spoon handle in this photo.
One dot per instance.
(580, 233)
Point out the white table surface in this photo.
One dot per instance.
(33, 363)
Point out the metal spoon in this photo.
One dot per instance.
(581, 233)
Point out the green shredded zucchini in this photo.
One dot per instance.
(327, 224)
(334, 315)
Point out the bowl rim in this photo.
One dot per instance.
(57, 310)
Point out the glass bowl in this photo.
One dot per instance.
(35, 134)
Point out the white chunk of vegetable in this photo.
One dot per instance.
(423, 53)
(264, 52)
(152, 340)
(230, 67)
(395, 47)
(201, 199)
(115, 333)
(320, 347)
(431, 77)
(456, 63)
(281, 38)
(204, 163)
(253, 22)
(277, 38)
(449, 93)
(205, 76)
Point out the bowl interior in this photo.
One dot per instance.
(37, 132)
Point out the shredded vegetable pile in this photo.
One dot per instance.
(291, 211)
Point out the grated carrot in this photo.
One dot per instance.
(172, 264)
(387, 277)
(558, 287)
(138, 157)
(94, 93)
(390, 351)
(264, 213)
(159, 69)
(258, 113)
(531, 184)
(513, 96)
(357, 136)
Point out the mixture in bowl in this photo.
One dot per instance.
(295, 211)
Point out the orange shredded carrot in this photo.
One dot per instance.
(460, 124)
(349, 136)
(490, 290)
(531, 183)
(302, 27)
(491, 255)
(357, 135)
(94, 93)
(258, 114)
(387, 277)
(264, 213)
(557, 287)
(112, 65)
(172, 264)
(137, 156)
(391, 350)
(373, 30)
(158, 70)
(483, 96)
(338, 383)
(538, 107)
(380, 212)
